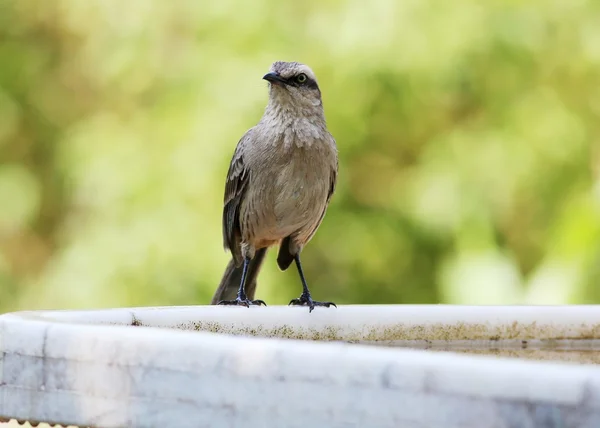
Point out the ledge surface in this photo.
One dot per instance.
(91, 368)
(413, 325)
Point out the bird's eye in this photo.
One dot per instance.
(301, 78)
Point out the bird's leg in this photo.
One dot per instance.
(241, 299)
(305, 298)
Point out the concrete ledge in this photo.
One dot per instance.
(400, 325)
(72, 367)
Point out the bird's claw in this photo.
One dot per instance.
(306, 300)
(242, 302)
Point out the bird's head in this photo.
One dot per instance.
(293, 86)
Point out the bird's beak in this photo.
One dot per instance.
(274, 78)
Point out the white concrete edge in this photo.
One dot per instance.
(57, 357)
(356, 323)
(454, 373)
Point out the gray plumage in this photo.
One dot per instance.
(280, 180)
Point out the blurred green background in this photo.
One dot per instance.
(468, 132)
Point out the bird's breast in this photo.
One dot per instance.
(288, 191)
(301, 186)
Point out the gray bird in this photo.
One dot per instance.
(280, 181)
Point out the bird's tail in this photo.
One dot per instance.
(230, 283)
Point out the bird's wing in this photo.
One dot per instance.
(333, 179)
(235, 188)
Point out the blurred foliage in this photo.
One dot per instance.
(468, 134)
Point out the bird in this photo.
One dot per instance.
(281, 178)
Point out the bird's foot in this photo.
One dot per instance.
(242, 301)
(306, 300)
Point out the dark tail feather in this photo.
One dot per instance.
(284, 258)
(230, 283)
